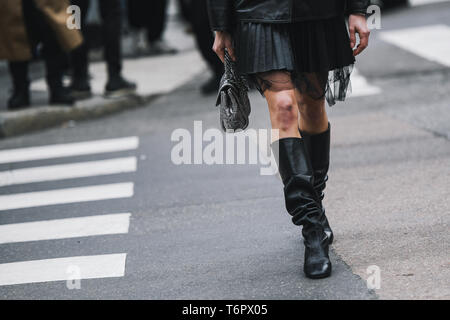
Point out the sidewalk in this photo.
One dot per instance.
(154, 76)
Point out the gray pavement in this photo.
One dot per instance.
(167, 73)
(221, 231)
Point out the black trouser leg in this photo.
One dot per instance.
(110, 11)
(20, 97)
(204, 37)
(157, 20)
(19, 74)
(138, 13)
(40, 31)
(185, 8)
(79, 56)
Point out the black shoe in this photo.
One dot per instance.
(80, 88)
(58, 94)
(211, 86)
(19, 99)
(303, 203)
(318, 147)
(118, 87)
(159, 47)
(61, 96)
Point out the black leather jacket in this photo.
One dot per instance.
(225, 13)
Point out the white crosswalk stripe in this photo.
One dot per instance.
(68, 149)
(68, 171)
(430, 42)
(65, 228)
(423, 2)
(64, 196)
(62, 268)
(361, 87)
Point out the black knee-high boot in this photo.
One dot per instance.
(303, 203)
(318, 147)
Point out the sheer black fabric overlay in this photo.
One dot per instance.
(312, 56)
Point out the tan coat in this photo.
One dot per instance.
(14, 43)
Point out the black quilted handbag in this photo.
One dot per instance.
(232, 99)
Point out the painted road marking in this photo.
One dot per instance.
(68, 195)
(68, 171)
(61, 269)
(360, 86)
(422, 2)
(68, 149)
(430, 42)
(65, 228)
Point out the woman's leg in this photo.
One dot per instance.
(284, 112)
(296, 171)
(313, 115)
(287, 103)
(311, 102)
(282, 100)
(315, 130)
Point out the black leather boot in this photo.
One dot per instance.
(117, 87)
(80, 88)
(303, 203)
(20, 97)
(318, 146)
(59, 95)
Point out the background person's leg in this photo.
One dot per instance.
(55, 57)
(20, 97)
(156, 22)
(111, 13)
(205, 39)
(79, 58)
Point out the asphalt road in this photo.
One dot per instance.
(221, 231)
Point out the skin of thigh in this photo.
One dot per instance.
(289, 108)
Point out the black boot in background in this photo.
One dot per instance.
(303, 203)
(318, 146)
(118, 87)
(80, 87)
(20, 97)
(55, 62)
(58, 94)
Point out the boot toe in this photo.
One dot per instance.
(318, 270)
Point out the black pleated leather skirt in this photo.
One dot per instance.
(314, 56)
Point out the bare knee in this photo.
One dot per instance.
(284, 112)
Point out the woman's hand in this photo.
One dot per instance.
(222, 41)
(357, 24)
